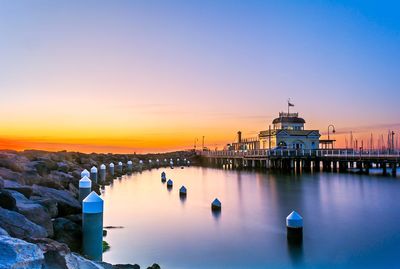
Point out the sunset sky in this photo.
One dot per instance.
(151, 76)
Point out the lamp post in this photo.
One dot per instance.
(333, 131)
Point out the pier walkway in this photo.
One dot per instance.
(302, 159)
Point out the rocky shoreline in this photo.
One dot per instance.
(40, 215)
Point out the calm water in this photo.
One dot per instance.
(350, 221)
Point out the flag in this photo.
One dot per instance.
(290, 104)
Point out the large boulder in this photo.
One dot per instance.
(17, 225)
(68, 232)
(3, 232)
(75, 261)
(49, 203)
(7, 201)
(67, 204)
(33, 211)
(6, 173)
(18, 254)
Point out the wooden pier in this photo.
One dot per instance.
(341, 160)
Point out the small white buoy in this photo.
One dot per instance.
(85, 173)
(294, 226)
(169, 183)
(182, 191)
(216, 205)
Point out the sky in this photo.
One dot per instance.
(151, 76)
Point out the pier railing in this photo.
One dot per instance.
(265, 153)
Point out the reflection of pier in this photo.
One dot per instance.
(306, 160)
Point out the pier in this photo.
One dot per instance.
(335, 160)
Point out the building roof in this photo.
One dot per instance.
(288, 120)
(289, 132)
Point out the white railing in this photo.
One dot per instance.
(302, 153)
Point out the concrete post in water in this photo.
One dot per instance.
(216, 205)
(85, 187)
(294, 226)
(188, 163)
(92, 226)
(163, 177)
(102, 172)
(182, 191)
(120, 167)
(171, 164)
(93, 174)
(111, 168)
(85, 173)
(129, 166)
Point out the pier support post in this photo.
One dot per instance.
(120, 168)
(394, 170)
(92, 226)
(384, 166)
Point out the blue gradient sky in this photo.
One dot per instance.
(152, 75)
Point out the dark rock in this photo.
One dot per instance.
(7, 201)
(17, 225)
(25, 190)
(16, 253)
(154, 266)
(10, 175)
(48, 203)
(54, 252)
(33, 211)
(126, 266)
(3, 232)
(67, 204)
(1, 183)
(50, 183)
(75, 218)
(105, 233)
(68, 232)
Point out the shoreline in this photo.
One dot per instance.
(40, 215)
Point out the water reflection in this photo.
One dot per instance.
(216, 214)
(295, 251)
(251, 232)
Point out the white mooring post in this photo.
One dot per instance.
(102, 172)
(111, 168)
(92, 226)
(216, 205)
(169, 183)
(85, 187)
(93, 174)
(120, 167)
(129, 165)
(85, 173)
(182, 191)
(294, 226)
